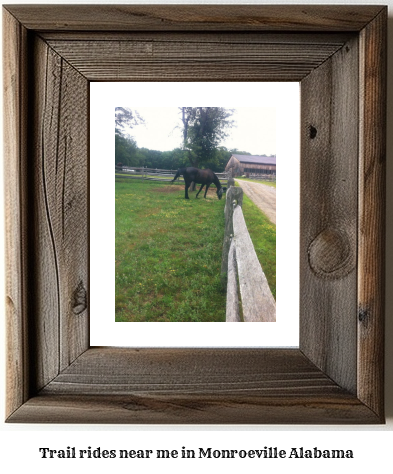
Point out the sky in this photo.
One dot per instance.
(254, 130)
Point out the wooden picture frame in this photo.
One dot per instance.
(338, 54)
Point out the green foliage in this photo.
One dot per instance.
(126, 151)
(235, 151)
(168, 254)
(203, 130)
(126, 118)
(221, 159)
(129, 154)
(168, 160)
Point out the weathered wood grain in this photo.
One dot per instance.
(14, 148)
(232, 307)
(258, 303)
(198, 385)
(328, 253)
(372, 189)
(59, 183)
(233, 196)
(335, 376)
(334, 40)
(240, 262)
(195, 17)
(192, 370)
(328, 408)
(214, 60)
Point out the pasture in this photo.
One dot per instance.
(259, 181)
(263, 236)
(168, 252)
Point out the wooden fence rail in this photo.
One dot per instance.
(262, 177)
(154, 174)
(241, 268)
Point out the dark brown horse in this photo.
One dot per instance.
(203, 177)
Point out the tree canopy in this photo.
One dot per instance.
(203, 130)
(126, 118)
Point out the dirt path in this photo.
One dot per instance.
(262, 195)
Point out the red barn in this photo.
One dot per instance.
(257, 165)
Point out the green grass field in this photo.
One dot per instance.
(263, 236)
(260, 181)
(168, 253)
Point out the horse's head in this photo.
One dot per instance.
(178, 173)
(220, 192)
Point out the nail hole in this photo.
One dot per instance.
(313, 132)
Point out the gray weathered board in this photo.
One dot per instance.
(258, 303)
(241, 270)
(338, 54)
(232, 302)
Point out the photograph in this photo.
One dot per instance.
(176, 170)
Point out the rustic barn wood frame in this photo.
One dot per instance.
(338, 54)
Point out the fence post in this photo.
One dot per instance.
(232, 308)
(232, 194)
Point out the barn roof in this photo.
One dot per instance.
(257, 159)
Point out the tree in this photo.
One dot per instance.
(126, 151)
(203, 130)
(222, 158)
(126, 118)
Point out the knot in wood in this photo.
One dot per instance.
(363, 316)
(80, 299)
(330, 254)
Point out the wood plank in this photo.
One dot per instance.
(233, 196)
(45, 285)
(122, 60)
(327, 408)
(119, 370)
(338, 39)
(232, 307)
(14, 149)
(193, 17)
(107, 385)
(372, 199)
(258, 303)
(206, 72)
(60, 213)
(329, 168)
(109, 52)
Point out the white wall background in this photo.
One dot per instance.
(371, 444)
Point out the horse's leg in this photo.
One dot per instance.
(199, 190)
(186, 190)
(207, 187)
